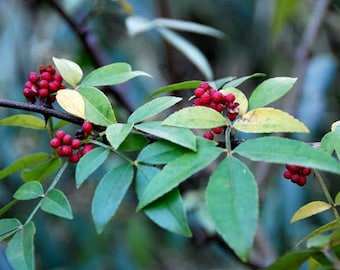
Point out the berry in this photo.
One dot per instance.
(204, 85)
(58, 78)
(53, 86)
(302, 180)
(74, 158)
(76, 143)
(297, 174)
(46, 76)
(230, 98)
(43, 84)
(60, 134)
(287, 174)
(55, 143)
(33, 77)
(205, 99)
(306, 171)
(64, 151)
(50, 69)
(67, 139)
(43, 93)
(232, 116)
(199, 92)
(217, 130)
(217, 97)
(87, 148)
(208, 135)
(87, 126)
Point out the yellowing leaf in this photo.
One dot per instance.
(72, 102)
(267, 120)
(70, 71)
(310, 209)
(335, 126)
(240, 98)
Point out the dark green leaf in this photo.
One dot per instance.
(24, 162)
(292, 260)
(56, 203)
(176, 87)
(180, 136)
(89, 163)
(223, 81)
(112, 74)
(133, 142)
(29, 190)
(160, 152)
(8, 226)
(24, 120)
(232, 190)
(179, 170)
(7, 207)
(20, 250)
(42, 170)
(98, 109)
(152, 108)
(238, 81)
(110, 193)
(269, 91)
(168, 211)
(287, 151)
(117, 133)
(196, 117)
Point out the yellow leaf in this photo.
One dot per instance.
(310, 209)
(72, 102)
(240, 98)
(267, 120)
(70, 71)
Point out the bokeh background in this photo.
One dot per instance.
(298, 38)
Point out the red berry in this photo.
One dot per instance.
(64, 151)
(217, 97)
(230, 98)
(302, 180)
(87, 148)
(87, 126)
(60, 134)
(43, 84)
(50, 69)
(213, 105)
(197, 102)
(33, 77)
(43, 93)
(287, 174)
(199, 92)
(217, 130)
(232, 116)
(42, 69)
(28, 84)
(295, 177)
(55, 143)
(58, 78)
(67, 139)
(74, 158)
(219, 107)
(205, 99)
(208, 135)
(61, 86)
(46, 76)
(306, 171)
(205, 85)
(27, 92)
(292, 168)
(76, 143)
(53, 86)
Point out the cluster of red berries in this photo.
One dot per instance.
(212, 98)
(73, 148)
(297, 174)
(44, 86)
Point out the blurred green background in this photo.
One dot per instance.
(298, 38)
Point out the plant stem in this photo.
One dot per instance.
(227, 138)
(326, 193)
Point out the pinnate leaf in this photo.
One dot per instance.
(23, 120)
(29, 190)
(70, 71)
(310, 209)
(232, 203)
(56, 203)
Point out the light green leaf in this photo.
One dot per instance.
(180, 136)
(29, 190)
(24, 162)
(98, 109)
(152, 108)
(56, 203)
(112, 74)
(238, 81)
(20, 249)
(310, 209)
(267, 120)
(189, 50)
(89, 163)
(133, 142)
(270, 90)
(42, 170)
(331, 142)
(287, 151)
(23, 120)
(168, 211)
(176, 87)
(160, 152)
(70, 71)
(179, 170)
(8, 226)
(117, 133)
(72, 102)
(337, 199)
(232, 203)
(110, 193)
(196, 117)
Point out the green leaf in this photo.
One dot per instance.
(117, 133)
(56, 203)
(232, 190)
(310, 209)
(196, 117)
(112, 74)
(238, 81)
(189, 50)
(179, 170)
(20, 249)
(110, 193)
(287, 151)
(267, 120)
(133, 142)
(29, 190)
(24, 162)
(23, 120)
(331, 142)
(168, 211)
(42, 170)
(98, 109)
(152, 108)
(89, 163)
(270, 90)
(160, 152)
(318, 241)
(8, 226)
(292, 260)
(176, 87)
(180, 136)
(70, 71)
(337, 199)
